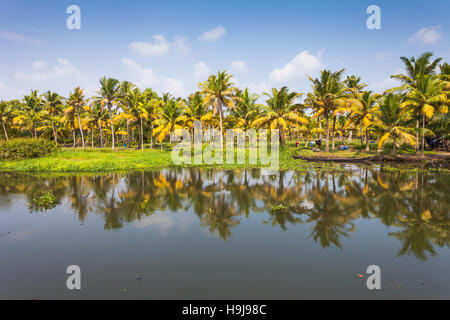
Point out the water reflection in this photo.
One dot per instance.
(331, 203)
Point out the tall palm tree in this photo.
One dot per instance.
(53, 104)
(95, 117)
(30, 113)
(5, 113)
(414, 69)
(76, 101)
(363, 114)
(279, 112)
(136, 102)
(391, 119)
(423, 99)
(125, 91)
(246, 109)
(219, 92)
(329, 94)
(170, 118)
(109, 92)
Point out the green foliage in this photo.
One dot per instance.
(18, 149)
(43, 202)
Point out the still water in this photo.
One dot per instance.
(212, 234)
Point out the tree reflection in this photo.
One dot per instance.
(327, 201)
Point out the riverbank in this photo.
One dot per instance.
(77, 160)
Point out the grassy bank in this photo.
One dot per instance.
(106, 160)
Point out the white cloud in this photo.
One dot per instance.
(16, 37)
(201, 71)
(213, 34)
(145, 77)
(427, 35)
(38, 65)
(238, 66)
(381, 86)
(63, 69)
(159, 47)
(304, 63)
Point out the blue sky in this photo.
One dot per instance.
(172, 45)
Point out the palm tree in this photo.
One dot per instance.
(5, 113)
(109, 92)
(424, 98)
(125, 90)
(30, 113)
(329, 94)
(170, 118)
(391, 118)
(354, 85)
(414, 69)
(76, 102)
(53, 105)
(246, 110)
(95, 117)
(219, 92)
(363, 114)
(135, 101)
(279, 113)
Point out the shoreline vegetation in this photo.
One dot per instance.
(96, 160)
(125, 128)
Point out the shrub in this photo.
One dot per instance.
(18, 149)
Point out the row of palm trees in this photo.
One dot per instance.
(335, 108)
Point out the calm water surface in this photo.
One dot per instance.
(209, 234)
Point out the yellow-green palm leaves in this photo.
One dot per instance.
(280, 112)
(391, 119)
(170, 118)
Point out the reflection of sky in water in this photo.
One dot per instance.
(184, 230)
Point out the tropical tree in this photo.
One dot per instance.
(170, 118)
(329, 95)
(363, 113)
(246, 109)
(5, 113)
(53, 104)
(424, 98)
(279, 112)
(76, 102)
(391, 119)
(95, 118)
(110, 94)
(136, 102)
(124, 91)
(30, 113)
(219, 92)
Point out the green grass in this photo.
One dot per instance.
(105, 160)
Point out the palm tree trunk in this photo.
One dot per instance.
(81, 129)
(55, 136)
(320, 127)
(350, 136)
(101, 133)
(394, 147)
(327, 132)
(92, 142)
(128, 133)
(74, 138)
(367, 140)
(151, 137)
(141, 134)
(332, 134)
(417, 135)
(112, 126)
(423, 134)
(221, 126)
(4, 129)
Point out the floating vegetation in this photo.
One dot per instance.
(43, 203)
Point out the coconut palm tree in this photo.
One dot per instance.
(95, 118)
(329, 94)
(53, 104)
(125, 90)
(424, 98)
(391, 119)
(5, 113)
(76, 102)
(363, 114)
(246, 110)
(110, 94)
(136, 102)
(219, 92)
(30, 113)
(279, 112)
(416, 67)
(170, 118)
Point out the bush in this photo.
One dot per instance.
(18, 149)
